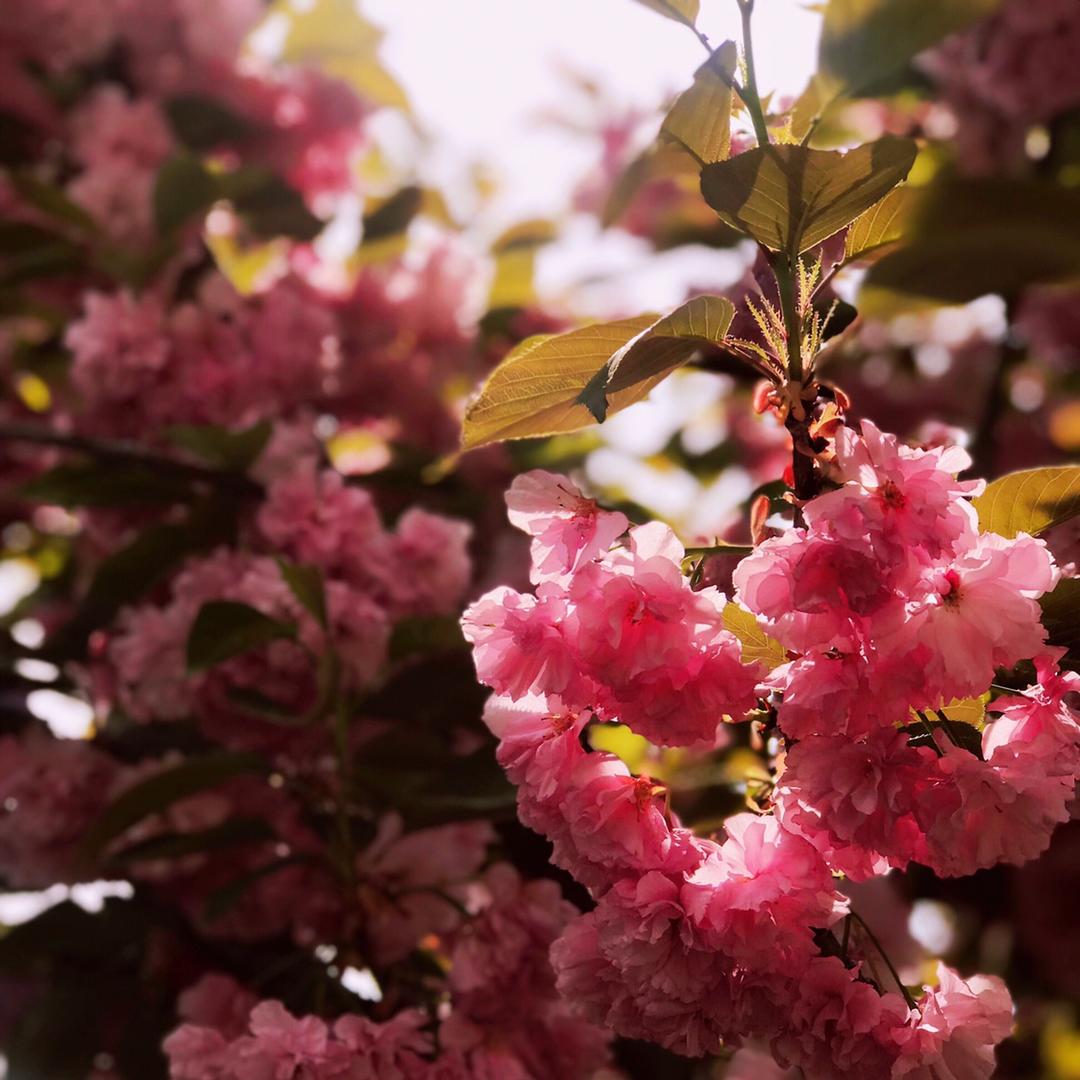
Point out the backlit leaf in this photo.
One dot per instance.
(881, 226)
(658, 350)
(971, 711)
(683, 11)
(757, 646)
(333, 36)
(515, 261)
(700, 119)
(971, 237)
(790, 198)
(1030, 501)
(536, 389)
(863, 41)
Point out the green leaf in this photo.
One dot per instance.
(177, 845)
(863, 41)
(790, 198)
(1061, 615)
(265, 708)
(1030, 501)
(700, 119)
(881, 226)
(268, 204)
(921, 733)
(393, 215)
(657, 351)
(757, 646)
(971, 237)
(306, 583)
(202, 123)
(424, 634)
(225, 628)
(184, 188)
(223, 900)
(237, 450)
(30, 251)
(160, 791)
(115, 484)
(129, 572)
(51, 200)
(682, 11)
(536, 389)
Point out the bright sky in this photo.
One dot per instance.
(479, 72)
(482, 74)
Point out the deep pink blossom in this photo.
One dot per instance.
(854, 800)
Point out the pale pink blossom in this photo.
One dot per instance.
(756, 895)
(979, 613)
(568, 529)
(959, 1023)
(518, 642)
(656, 650)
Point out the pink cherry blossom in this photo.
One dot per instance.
(817, 593)
(518, 642)
(839, 1025)
(854, 800)
(959, 1023)
(979, 613)
(568, 530)
(51, 793)
(757, 894)
(904, 497)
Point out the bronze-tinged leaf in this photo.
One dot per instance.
(683, 11)
(883, 225)
(757, 646)
(790, 198)
(700, 119)
(670, 342)
(535, 390)
(1030, 501)
(865, 41)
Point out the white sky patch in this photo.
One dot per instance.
(362, 983)
(21, 907)
(67, 717)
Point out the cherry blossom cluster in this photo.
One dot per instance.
(505, 1018)
(308, 124)
(1005, 75)
(377, 354)
(890, 604)
(316, 519)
